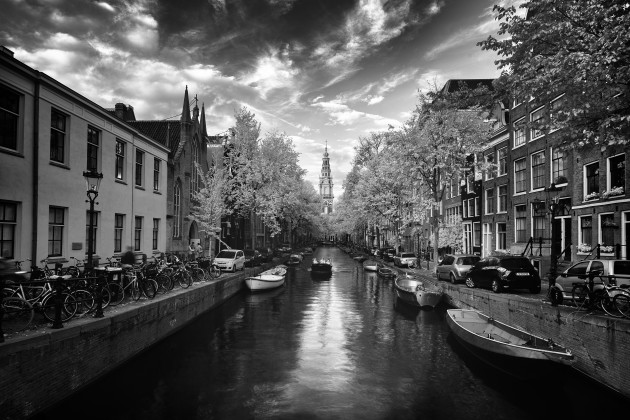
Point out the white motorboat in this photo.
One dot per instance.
(264, 282)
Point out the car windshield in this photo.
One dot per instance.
(468, 260)
(226, 254)
(515, 263)
(407, 255)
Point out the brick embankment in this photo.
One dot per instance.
(45, 366)
(600, 343)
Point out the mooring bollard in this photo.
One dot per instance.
(58, 303)
(98, 313)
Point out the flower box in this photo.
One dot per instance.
(613, 192)
(591, 196)
(607, 248)
(584, 248)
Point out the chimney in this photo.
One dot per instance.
(120, 110)
(6, 51)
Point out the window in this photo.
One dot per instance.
(520, 217)
(538, 170)
(477, 233)
(578, 269)
(538, 225)
(490, 167)
(8, 221)
(57, 136)
(156, 174)
(465, 209)
(502, 236)
(55, 231)
(119, 223)
(537, 118)
(502, 201)
(519, 133)
(139, 167)
(120, 160)
(470, 184)
(477, 206)
(194, 176)
(156, 233)
(471, 207)
(9, 118)
(137, 234)
(502, 161)
(519, 175)
(467, 239)
(586, 231)
(487, 238)
(559, 166)
(617, 174)
(607, 227)
(87, 230)
(92, 149)
(591, 180)
(177, 210)
(489, 201)
(557, 115)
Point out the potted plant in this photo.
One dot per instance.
(561, 180)
(606, 248)
(584, 248)
(591, 196)
(613, 192)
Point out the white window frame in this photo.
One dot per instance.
(489, 209)
(608, 174)
(579, 232)
(584, 178)
(496, 246)
(532, 131)
(497, 198)
(524, 191)
(600, 239)
(486, 238)
(531, 170)
(517, 126)
(499, 173)
(554, 100)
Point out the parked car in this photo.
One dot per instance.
(266, 254)
(454, 267)
(612, 272)
(388, 254)
(504, 272)
(230, 260)
(252, 257)
(403, 259)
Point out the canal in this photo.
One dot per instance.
(341, 348)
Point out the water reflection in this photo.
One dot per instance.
(337, 349)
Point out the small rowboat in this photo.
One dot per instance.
(418, 293)
(502, 345)
(370, 265)
(279, 270)
(264, 282)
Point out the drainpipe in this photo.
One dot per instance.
(35, 204)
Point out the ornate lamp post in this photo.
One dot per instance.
(553, 207)
(92, 182)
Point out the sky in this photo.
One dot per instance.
(322, 71)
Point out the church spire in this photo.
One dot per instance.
(326, 184)
(204, 132)
(186, 108)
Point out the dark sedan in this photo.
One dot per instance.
(252, 258)
(504, 272)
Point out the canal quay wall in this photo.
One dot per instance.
(599, 343)
(47, 365)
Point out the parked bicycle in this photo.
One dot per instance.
(599, 295)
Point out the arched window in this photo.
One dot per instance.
(177, 210)
(194, 173)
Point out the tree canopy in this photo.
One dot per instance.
(577, 47)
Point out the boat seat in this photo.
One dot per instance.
(503, 336)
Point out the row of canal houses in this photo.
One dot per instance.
(535, 188)
(50, 135)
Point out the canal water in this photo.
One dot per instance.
(337, 348)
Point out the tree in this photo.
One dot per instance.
(210, 206)
(433, 146)
(577, 47)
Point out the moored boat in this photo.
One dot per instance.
(294, 259)
(264, 282)
(418, 293)
(370, 265)
(279, 270)
(502, 345)
(386, 272)
(321, 266)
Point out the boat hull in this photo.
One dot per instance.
(490, 337)
(386, 273)
(264, 282)
(321, 269)
(370, 265)
(417, 293)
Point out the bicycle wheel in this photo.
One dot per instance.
(197, 274)
(215, 272)
(105, 296)
(68, 308)
(135, 290)
(184, 279)
(606, 303)
(149, 288)
(85, 301)
(621, 302)
(580, 296)
(164, 283)
(116, 293)
(17, 314)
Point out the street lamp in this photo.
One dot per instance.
(553, 207)
(92, 182)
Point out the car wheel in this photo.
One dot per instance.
(470, 283)
(453, 280)
(496, 286)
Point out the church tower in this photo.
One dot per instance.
(326, 184)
